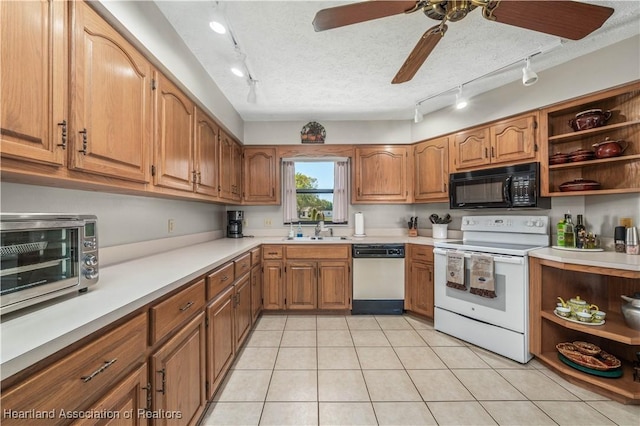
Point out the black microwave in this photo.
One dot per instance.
(510, 187)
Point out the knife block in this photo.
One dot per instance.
(413, 232)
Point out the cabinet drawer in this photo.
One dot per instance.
(219, 280)
(242, 265)
(423, 253)
(311, 251)
(166, 315)
(272, 252)
(77, 380)
(256, 256)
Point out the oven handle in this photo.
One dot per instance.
(501, 258)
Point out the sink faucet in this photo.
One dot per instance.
(318, 230)
(331, 232)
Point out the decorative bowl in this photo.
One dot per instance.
(579, 185)
(589, 119)
(608, 148)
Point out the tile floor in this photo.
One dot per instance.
(392, 370)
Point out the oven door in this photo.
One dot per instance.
(507, 310)
(471, 191)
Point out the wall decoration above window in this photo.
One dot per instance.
(313, 132)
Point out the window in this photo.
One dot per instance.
(311, 193)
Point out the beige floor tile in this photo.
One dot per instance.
(498, 361)
(403, 413)
(536, 386)
(293, 385)
(393, 322)
(378, 358)
(404, 338)
(299, 322)
(256, 359)
(290, 413)
(346, 413)
(334, 338)
(439, 385)
(417, 358)
(436, 338)
(338, 358)
(488, 385)
(580, 392)
(244, 386)
(331, 323)
(271, 322)
(369, 338)
(459, 357)
(264, 338)
(419, 323)
(460, 413)
(296, 359)
(390, 385)
(298, 338)
(341, 385)
(566, 413)
(362, 322)
(537, 364)
(517, 413)
(623, 415)
(233, 414)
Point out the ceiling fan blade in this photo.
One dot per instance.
(340, 16)
(566, 19)
(419, 54)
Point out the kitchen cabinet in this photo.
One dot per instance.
(597, 285)
(178, 374)
(261, 177)
(242, 309)
(273, 292)
(616, 175)
(508, 141)
(381, 174)
(301, 282)
(230, 169)
(33, 87)
(220, 338)
(431, 170)
(174, 127)
(206, 176)
(256, 283)
(111, 104)
(419, 280)
(334, 284)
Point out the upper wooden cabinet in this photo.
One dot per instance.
(230, 168)
(207, 155)
(261, 176)
(508, 141)
(380, 174)
(431, 170)
(33, 65)
(111, 103)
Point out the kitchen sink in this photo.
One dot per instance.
(310, 238)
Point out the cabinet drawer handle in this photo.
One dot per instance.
(486, 153)
(493, 152)
(104, 366)
(164, 381)
(187, 306)
(224, 278)
(63, 143)
(273, 253)
(199, 178)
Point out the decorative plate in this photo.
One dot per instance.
(615, 373)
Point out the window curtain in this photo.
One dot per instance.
(290, 201)
(340, 201)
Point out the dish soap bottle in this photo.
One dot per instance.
(299, 234)
(560, 232)
(291, 234)
(569, 232)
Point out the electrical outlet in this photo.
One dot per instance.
(245, 223)
(171, 225)
(267, 222)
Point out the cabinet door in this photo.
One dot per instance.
(174, 118)
(111, 101)
(207, 152)
(431, 165)
(261, 183)
(242, 309)
(230, 161)
(220, 339)
(33, 87)
(334, 285)
(236, 183)
(470, 149)
(513, 140)
(178, 374)
(272, 285)
(301, 284)
(126, 398)
(256, 292)
(380, 174)
(421, 288)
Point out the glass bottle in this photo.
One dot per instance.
(569, 231)
(560, 232)
(581, 233)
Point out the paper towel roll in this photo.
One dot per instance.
(359, 225)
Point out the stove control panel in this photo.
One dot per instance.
(510, 224)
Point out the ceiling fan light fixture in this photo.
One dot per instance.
(461, 101)
(417, 115)
(529, 76)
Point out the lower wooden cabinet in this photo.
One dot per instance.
(220, 338)
(256, 292)
(272, 285)
(301, 282)
(334, 285)
(242, 309)
(178, 375)
(419, 280)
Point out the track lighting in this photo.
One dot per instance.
(218, 23)
(461, 101)
(529, 76)
(417, 116)
(252, 97)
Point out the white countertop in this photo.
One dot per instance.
(604, 259)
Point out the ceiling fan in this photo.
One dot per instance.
(565, 19)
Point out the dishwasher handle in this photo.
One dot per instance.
(501, 258)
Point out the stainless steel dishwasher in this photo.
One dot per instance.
(378, 279)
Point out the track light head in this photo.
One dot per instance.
(529, 77)
(461, 101)
(417, 115)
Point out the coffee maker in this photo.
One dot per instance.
(234, 223)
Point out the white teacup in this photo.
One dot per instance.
(584, 316)
(598, 316)
(563, 311)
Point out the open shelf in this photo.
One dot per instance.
(614, 328)
(579, 164)
(581, 134)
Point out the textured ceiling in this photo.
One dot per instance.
(346, 73)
